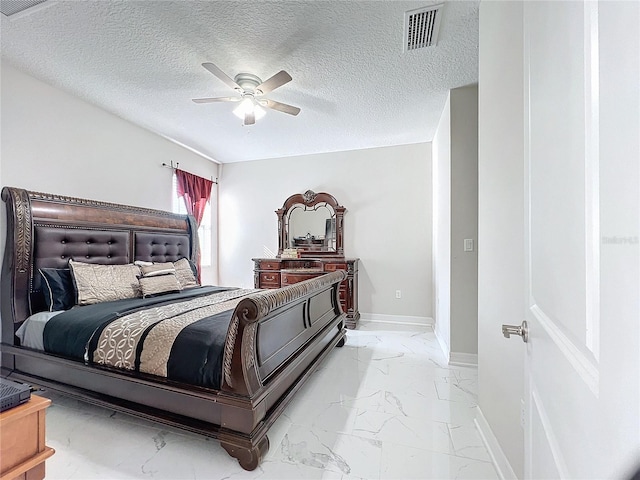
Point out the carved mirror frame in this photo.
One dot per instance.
(310, 199)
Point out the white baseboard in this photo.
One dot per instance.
(443, 345)
(399, 319)
(499, 459)
(463, 359)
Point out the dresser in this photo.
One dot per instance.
(281, 272)
(22, 441)
(310, 244)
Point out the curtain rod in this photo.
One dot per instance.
(172, 167)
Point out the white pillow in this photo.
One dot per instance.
(156, 269)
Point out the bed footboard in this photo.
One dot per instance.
(275, 341)
(269, 327)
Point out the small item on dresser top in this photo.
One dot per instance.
(13, 394)
(290, 253)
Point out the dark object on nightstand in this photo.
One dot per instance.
(13, 394)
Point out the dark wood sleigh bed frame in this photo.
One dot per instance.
(275, 340)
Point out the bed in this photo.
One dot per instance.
(268, 343)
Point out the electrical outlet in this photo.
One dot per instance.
(522, 413)
(398, 293)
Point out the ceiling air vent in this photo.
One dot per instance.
(421, 27)
(13, 7)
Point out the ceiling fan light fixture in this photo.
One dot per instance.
(248, 104)
(251, 89)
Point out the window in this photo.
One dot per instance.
(204, 232)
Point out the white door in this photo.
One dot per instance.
(582, 128)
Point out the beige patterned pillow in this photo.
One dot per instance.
(185, 275)
(157, 269)
(157, 284)
(104, 283)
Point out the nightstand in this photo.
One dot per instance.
(22, 441)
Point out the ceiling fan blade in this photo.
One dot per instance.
(217, 99)
(281, 107)
(221, 75)
(274, 82)
(249, 118)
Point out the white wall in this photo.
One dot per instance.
(56, 143)
(464, 223)
(387, 193)
(442, 228)
(501, 225)
(455, 167)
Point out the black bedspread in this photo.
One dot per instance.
(196, 353)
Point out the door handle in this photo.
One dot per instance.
(521, 330)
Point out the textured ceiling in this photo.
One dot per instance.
(141, 60)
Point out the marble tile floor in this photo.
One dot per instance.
(385, 406)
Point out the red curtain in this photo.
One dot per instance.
(196, 192)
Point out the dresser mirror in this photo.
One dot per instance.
(311, 223)
(314, 228)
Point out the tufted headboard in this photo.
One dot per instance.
(45, 230)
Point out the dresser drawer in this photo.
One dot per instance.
(332, 267)
(291, 278)
(270, 280)
(269, 265)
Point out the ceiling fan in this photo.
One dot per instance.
(251, 90)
